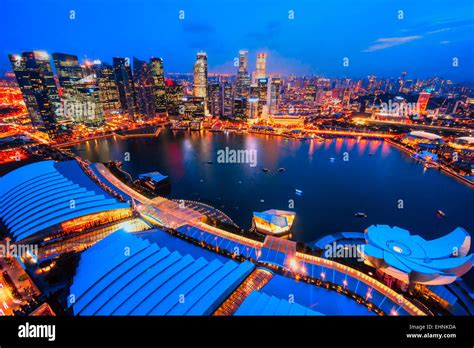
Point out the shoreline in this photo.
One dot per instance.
(442, 167)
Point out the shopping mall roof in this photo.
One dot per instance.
(43, 194)
(466, 140)
(413, 259)
(127, 275)
(426, 135)
(259, 303)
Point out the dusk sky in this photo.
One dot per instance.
(369, 33)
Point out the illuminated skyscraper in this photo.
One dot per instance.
(274, 94)
(157, 74)
(35, 79)
(240, 108)
(174, 99)
(68, 70)
(108, 92)
(215, 99)
(143, 88)
(262, 94)
(261, 70)
(200, 75)
(123, 77)
(228, 100)
(243, 78)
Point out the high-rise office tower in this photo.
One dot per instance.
(261, 70)
(240, 108)
(215, 99)
(143, 88)
(243, 78)
(124, 80)
(174, 99)
(262, 94)
(274, 94)
(83, 104)
(200, 75)
(108, 92)
(228, 100)
(68, 70)
(157, 75)
(35, 79)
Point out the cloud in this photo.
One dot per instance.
(438, 31)
(387, 42)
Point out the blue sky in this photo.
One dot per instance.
(369, 33)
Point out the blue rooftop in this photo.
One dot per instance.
(259, 303)
(43, 194)
(127, 275)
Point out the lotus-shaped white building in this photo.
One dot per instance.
(413, 259)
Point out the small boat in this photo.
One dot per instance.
(331, 159)
(430, 165)
(371, 154)
(281, 169)
(441, 213)
(298, 192)
(210, 162)
(266, 170)
(360, 215)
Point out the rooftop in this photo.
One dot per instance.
(43, 194)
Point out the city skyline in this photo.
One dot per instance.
(414, 40)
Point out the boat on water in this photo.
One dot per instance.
(360, 215)
(210, 162)
(265, 170)
(281, 169)
(441, 213)
(431, 165)
(298, 192)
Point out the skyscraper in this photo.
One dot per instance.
(108, 92)
(274, 95)
(200, 75)
(35, 79)
(143, 88)
(157, 75)
(228, 100)
(261, 70)
(174, 99)
(215, 99)
(243, 78)
(124, 80)
(68, 70)
(262, 95)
